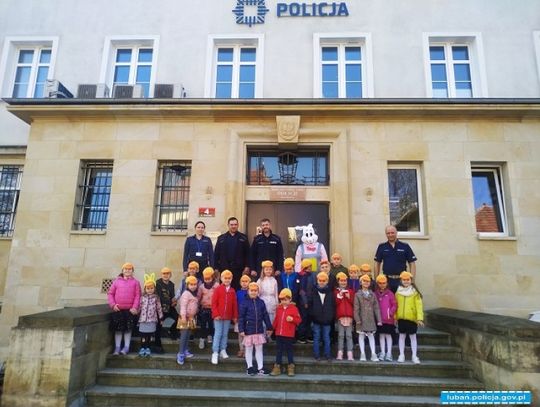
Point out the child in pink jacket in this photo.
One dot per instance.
(189, 306)
(388, 307)
(124, 297)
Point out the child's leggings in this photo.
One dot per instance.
(371, 339)
(345, 332)
(258, 356)
(414, 344)
(118, 339)
(385, 342)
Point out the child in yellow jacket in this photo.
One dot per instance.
(409, 314)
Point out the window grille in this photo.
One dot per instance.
(106, 284)
(172, 196)
(10, 186)
(94, 192)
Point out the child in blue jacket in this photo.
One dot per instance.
(252, 319)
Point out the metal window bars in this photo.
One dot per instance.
(172, 196)
(10, 186)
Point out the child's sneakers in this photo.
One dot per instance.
(148, 352)
(401, 358)
(381, 356)
(215, 357)
(116, 351)
(388, 357)
(142, 352)
(350, 355)
(339, 355)
(363, 357)
(188, 354)
(416, 360)
(125, 350)
(251, 371)
(201, 343)
(374, 357)
(262, 372)
(223, 354)
(180, 358)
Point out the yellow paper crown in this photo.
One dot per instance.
(150, 280)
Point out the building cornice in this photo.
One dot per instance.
(29, 110)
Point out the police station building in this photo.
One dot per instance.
(124, 122)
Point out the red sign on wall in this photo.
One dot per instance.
(207, 212)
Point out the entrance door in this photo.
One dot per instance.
(284, 216)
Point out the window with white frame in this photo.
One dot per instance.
(130, 60)
(489, 201)
(341, 71)
(235, 66)
(10, 187)
(172, 196)
(454, 65)
(236, 70)
(133, 66)
(405, 198)
(26, 64)
(93, 195)
(450, 71)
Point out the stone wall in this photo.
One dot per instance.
(55, 355)
(504, 351)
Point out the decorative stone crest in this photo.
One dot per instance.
(287, 130)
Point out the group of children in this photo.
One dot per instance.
(285, 307)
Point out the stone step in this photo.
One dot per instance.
(304, 365)
(314, 383)
(101, 396)
(431, 352)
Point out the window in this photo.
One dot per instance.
(269, 167)
(341, 71)
(130, 60)
(172, 196)
(342, 65)
(133, 65)
(25, 66)
(235, 72)
(235, 68)
(10, 186)
(94, 192)
(405, 198)
(454, 66)
(488, 194)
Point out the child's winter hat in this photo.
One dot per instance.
(150, 280)
(365, 268)
(166, 270)
(353, 267)
(267, 263)
(405, 274)
(253, 285)
(365, 277)
(127, 266)
(285, 293)
(322, 276)
(245, 277)
(381, 278)
(341, 276)
(288, 263)
(208, 272)
(193, 264)
(226, 273)
(191, 280)
(306, 263)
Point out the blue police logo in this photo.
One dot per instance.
(259, 8)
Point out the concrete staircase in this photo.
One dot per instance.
(159, 381)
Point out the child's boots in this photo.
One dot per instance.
(276, 370)
(290, 370)
(339, 355)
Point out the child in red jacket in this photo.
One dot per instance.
(344, 298)
(285, 323)
(224, 310)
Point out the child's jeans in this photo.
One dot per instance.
(324, 332)
(206, 322)
(221, 335)
(184, 338)
(284, 344)
(345, 332)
